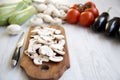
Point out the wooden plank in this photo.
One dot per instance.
(46, 71)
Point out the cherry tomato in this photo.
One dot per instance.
(72, 16)
(77, 7)
(80, 8)
(89, 4)
(74, 6)
(94, 11)
(86, 19)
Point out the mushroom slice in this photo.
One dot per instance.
(59, 51)
(56, 58)
(45, 50)
(35, 36)
(33, 56)
(56, 46)
(39, 40)
(50, 29)
(61, 42)
(47, 38)
(31, 42)
(38, 60)
(58, 36)
(35, 47)
(44, 31)
(57, 32)
(44, 58)
(35, 31)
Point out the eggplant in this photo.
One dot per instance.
(118, 33)
(100, 22)
(112, 26)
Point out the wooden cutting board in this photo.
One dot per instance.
(46, 71)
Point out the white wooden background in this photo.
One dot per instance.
(92, 56)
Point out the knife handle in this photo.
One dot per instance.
(16, 56)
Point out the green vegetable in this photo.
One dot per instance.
(4, 17)
(21, 16)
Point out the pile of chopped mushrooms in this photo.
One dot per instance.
(46, 44)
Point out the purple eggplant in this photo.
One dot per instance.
(112, 26)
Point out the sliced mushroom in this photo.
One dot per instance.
(33, 56)
(35, 31)
(45, 50)
(39, 39)
(58, 36)
(47, 38)
(57, 32)
(45, 44)
(31, 42)
(35, 47)
(59, 51)
(61, 42)
(56, 58)
(38, 60)
(56, 46)
(41, 32)
(52, 30)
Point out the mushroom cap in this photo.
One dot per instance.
(13, 29)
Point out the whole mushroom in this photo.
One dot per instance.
(13, 29)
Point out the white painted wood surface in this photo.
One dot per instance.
(92, 56)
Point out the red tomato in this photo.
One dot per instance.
(77, 7)
(89, 4)
(74, 6)
(94, 11)
(72, 16)
(80, 8)
(86, 19)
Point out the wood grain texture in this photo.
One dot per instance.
(55, 70)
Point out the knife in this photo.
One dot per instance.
(16, 55)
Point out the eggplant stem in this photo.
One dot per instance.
(109, 9)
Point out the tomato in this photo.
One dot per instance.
(72, 16)
(94, 11)
(74, 6)
(86, 19)
(80, 8)
(89, 4)
(77, 7)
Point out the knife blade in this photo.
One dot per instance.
(16, 54)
